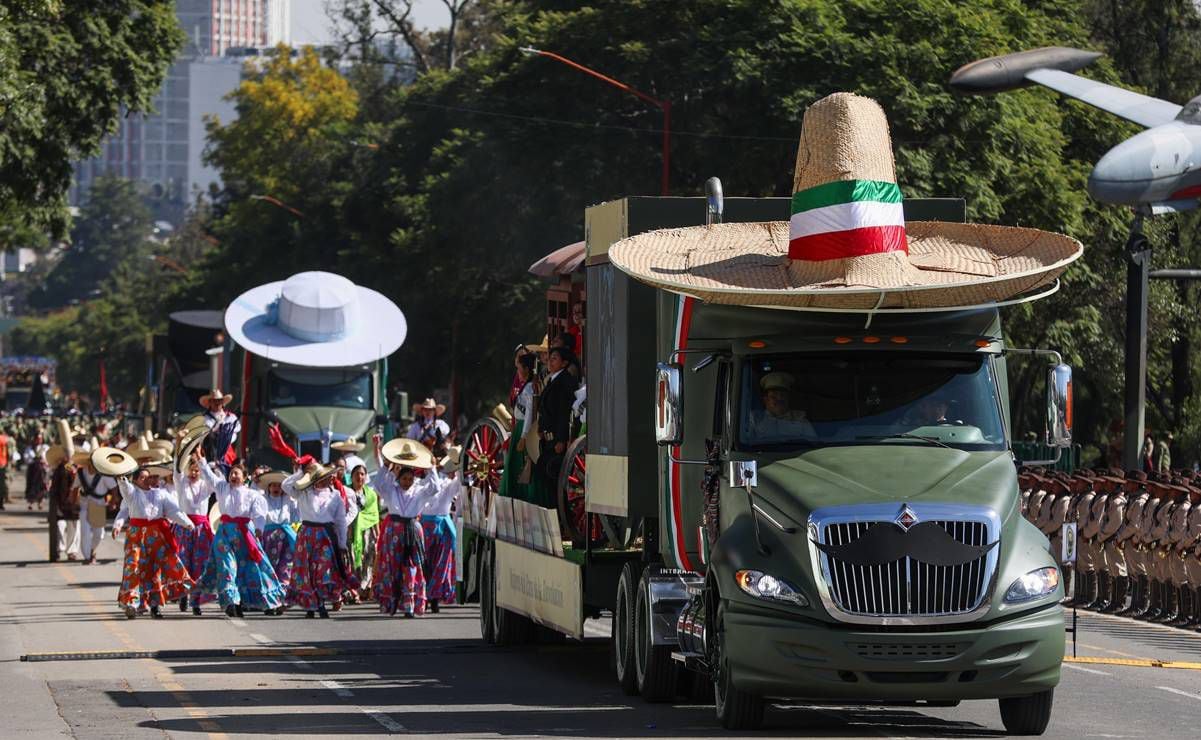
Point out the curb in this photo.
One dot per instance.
(1138, 663)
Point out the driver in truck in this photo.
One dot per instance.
(778, 419)
(930, 411)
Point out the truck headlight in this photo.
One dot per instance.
(769, 588)
(1034, 584)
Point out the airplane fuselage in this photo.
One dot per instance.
(1159, 165)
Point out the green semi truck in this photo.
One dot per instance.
(802, 505)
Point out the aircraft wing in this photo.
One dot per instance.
(1141, 109)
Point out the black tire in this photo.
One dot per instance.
(1027, 715)
(487, 594)
(736, 709)
(512, 628)
(653, 666)
(623, 628)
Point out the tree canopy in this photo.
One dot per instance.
(68, 70)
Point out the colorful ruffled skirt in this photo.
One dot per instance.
(279, 545)
(153, 574)
(399, 576)
(234, 577)
(194, 547)
(438, 565)
(318, 574)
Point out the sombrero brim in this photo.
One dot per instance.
(348, 446)
(392, 451)
(949, 265)
(274, 476)
(380, 331)
(186, 447)
(308, 480)
(225, 398)
(159, 470)
(113, 462)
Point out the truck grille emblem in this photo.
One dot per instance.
(906, 518)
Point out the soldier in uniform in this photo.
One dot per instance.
(1192, 552)
(1177, 532)
(1091, 527)
(1113, 559)
(1159, 565)
(1085, 569)
(1057, 513)
(779, 420)
(1150, 600)
(1131, 538)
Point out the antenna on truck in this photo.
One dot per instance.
(714, 201)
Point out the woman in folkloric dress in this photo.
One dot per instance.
(152, 574)
(320, 568)
(279, 526)
(237, 571)
(195, 544)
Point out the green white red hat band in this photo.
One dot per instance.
(846, 218)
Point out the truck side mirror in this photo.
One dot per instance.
(1059, 406)
(669, 421)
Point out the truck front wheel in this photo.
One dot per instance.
(736, 709)
(1027, 715)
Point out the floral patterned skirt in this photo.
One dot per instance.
(234, 577)
(317, 579)
(438, 566)
(399, 576)
(194, 547)
(153, 574)
(279, 545)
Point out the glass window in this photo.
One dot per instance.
(808, 400)
(319, 387)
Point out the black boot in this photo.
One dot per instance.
(239, 608)
(309, 614)
(196, 610)
(154, 612)
(434, 607)
(322, 612)
(1186, 607)
(231, 611)
(1102, 598)
(1171, 605)
(1136, 589)
(1155, 606)
(1118, 601)
(1144, 602)
(183, 603)
(1197, 608)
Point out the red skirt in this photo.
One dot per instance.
(153, 574)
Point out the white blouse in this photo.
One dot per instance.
(242, 501)
(281, 510)
(193, 496)
(407, 503)
(156, 503)
(319, 505)
(448, 491)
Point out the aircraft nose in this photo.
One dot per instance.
(1123, 174)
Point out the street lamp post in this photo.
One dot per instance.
(663, 105)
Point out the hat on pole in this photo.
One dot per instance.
(847, 245)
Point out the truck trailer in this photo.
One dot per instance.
(864, 545)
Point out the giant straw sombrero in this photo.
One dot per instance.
(847, 245)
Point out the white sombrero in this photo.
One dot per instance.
(316, 319)
(113, 462)
(847, 245)
(408, 452)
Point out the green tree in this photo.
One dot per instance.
(68, 70)
(114, 225)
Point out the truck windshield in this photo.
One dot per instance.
(797, 401)
(311, 387)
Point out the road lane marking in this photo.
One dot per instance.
(260, 638)
(1136, 662)
(337, 688)
(1179, 692)
(1082, 669)
(383, 719)
(238, 622)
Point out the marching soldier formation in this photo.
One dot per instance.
(1137, 539)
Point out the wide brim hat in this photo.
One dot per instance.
(216, 393)
(80, 457)
(186, 447)
(113, 462)
(316, 319)
(847, 245)
(348, 445)
(161, 471)
(162, 444)
(438, 408)
(55, 455)
(271, 476)
(408, 452)
(314, 474)
(453, 459)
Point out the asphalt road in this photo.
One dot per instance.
(433, 676)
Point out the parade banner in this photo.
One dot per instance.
(546, 589)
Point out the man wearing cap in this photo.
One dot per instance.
(1151, 602)
(428, 426)
(778, 421)
(1159, 560)
(1085, 563)
(1127, 540)
(1056, 516)
(1112, 559)
(1177, 575)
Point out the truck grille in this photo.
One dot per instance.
(906, 588)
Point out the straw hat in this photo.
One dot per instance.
(81, 457)
(847, 245)
(409, 453)
(454, 456)
(193, 425)
(273, 476)
(313, 474)
(438, 408)
(501, 413)
(215, 394)
(543, 347)
(161, 471)
(186, 448)
(162, 444)
(350, 444)
(55, 455)
(113, 462)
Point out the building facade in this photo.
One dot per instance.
(164, 149)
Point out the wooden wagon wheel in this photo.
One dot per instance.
(484, 455)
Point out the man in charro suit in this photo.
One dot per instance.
(554, 414)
